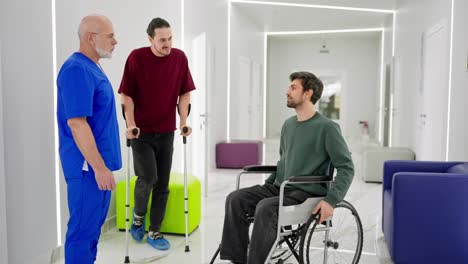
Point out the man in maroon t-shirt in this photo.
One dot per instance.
(155, 79)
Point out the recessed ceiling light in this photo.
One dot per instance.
(315, 6)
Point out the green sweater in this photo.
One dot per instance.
(305, 149)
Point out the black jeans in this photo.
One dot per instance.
(152, 159)
(260, 201)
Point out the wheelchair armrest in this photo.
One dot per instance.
(254, 169)
(260, 168)
(310, 179)
(293, 180)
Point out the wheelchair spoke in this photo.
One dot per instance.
(284, 250)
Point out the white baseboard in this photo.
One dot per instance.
(57, 254)
(109, 224)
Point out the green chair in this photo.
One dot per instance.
(174, 219)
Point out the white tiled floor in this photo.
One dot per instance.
(204, 241)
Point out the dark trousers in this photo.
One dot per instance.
(152, 159)
(260, 201)
(88, 210)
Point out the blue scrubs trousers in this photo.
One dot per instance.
(88, 210)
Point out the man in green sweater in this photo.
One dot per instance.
(309, 141)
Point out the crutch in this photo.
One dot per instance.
(184, 140)
(127, 192)
(127, 198)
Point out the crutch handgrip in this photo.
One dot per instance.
(184, 130)
(134, 132)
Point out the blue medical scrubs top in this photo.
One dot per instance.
(85, 91)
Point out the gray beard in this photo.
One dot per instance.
(103, 54)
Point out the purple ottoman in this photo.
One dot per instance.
(236, 154)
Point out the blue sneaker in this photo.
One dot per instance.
(137, 230)
(156, 240)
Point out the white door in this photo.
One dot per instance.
(3, 223)
(434, 90)
(198, 113)
(241, 116)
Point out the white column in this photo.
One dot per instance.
(3, 224)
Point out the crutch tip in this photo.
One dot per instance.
(127, 259)
(187, 249)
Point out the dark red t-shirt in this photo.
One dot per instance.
(155, 83)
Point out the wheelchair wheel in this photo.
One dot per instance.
(283, 252)
(344, 242)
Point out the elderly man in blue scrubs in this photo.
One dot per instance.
(89, 142)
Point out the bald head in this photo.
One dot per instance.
(97, 38)
(93, 24)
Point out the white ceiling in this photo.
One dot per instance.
(288, 18)
(373, 4)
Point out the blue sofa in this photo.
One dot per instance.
(425, 211)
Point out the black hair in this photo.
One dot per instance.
(309, 82)
(156, 23)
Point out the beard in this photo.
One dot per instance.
(294, 104)
(164, 51)
(103, 54)
(291, 104)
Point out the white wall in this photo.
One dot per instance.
(355, 58)
(3, 223)
(413, 18)
(247, 38)
(210, 16)
(27, 86)
(458, 144)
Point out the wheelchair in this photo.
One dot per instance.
(338, 239)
